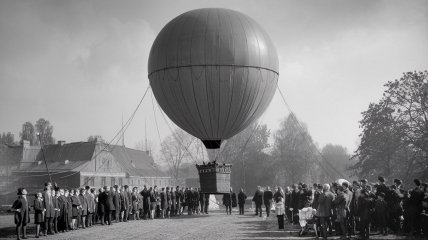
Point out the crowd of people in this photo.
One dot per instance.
(340, 208)
(61, 210)
(350, 210)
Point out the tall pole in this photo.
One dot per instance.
(44, 158)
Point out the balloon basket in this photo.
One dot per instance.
(214, 178)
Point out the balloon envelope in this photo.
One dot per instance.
(213, 72)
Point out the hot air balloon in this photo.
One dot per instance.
(213, 72)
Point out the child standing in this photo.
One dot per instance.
(39, 218)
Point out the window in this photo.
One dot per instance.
(139, 183)
(120, 182)
(103, 181)
(132, 182)
(113, 181)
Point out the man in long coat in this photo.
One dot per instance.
(84, 206)
(201, 201)
(22, 213)
(116, 202)
(63, 223)
(325, 202)
(91, 206)
(258, 201)
(125, 202)
(267, 199)
(146, 202)
(50, 210)
(173, 202)
(109, 206)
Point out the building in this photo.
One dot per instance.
(77, 164)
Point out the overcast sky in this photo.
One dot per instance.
(81, 64)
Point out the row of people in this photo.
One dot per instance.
(62, 210)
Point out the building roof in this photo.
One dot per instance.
(79, 154)
(136, 162)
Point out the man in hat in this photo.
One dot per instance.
(22, 213)
(382, 188)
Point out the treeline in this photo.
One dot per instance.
(28, 133)
(291, 158)
(394, 138)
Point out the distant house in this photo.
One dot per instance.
(96, 164)
(11, 158)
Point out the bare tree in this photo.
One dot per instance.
(175, 150)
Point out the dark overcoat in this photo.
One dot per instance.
(48, 205)
(23, 216)
(258, 198)
(241, 198)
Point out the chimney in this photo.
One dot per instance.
(61, 143)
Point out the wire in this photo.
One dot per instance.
(310, 143)
(122, 129)
(176, 138)
(156, 121)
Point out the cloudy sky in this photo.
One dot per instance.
(82, 64)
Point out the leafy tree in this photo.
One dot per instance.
(395, 131)
(45, 131)
(7, 138)
(28, 133)
(293, 151)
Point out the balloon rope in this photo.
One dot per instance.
(310, 143)
(122, 129)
